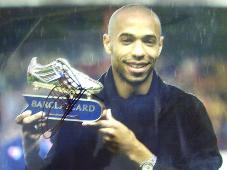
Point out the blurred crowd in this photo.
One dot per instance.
(206, 78)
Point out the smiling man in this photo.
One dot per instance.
(134, 41)
(147, 124)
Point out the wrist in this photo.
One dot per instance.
(31, 148)
(149, 163)
(139, 153)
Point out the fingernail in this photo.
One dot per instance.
(87, 123)
(28, 112)
(109, 111)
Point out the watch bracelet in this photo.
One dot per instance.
(152, 161)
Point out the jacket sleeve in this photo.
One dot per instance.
(33, 161)
(194, 145)
(204, 153)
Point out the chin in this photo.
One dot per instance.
(134, 79)
(137, 80)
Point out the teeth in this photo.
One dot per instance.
(136, 65)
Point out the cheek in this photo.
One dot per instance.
(121, 51)
(153, 52)
(116, 62)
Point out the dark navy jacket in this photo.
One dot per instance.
(174, 126)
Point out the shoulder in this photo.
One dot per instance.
(171, 93)
(180, 101)
(177, 94)
(187, 110)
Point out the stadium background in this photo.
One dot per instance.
(194, 55)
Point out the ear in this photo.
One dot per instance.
(160, 45)
(106, 43)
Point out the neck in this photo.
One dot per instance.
(126, 89)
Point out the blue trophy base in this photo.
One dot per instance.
(55, 108)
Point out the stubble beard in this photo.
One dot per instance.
(137, 79)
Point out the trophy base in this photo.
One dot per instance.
(56, 108)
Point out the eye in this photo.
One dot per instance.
(126, 40)
(150, 40)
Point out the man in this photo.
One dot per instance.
(148, 124)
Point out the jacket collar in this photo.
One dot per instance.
(156, 88)
(155, 95)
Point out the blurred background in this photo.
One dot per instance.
(194, 57)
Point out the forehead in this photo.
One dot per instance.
(136, 23)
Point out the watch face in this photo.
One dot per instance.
(147, 166)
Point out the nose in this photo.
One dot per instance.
(138, 51)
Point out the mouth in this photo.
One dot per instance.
(137, 67)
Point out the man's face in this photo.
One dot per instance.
(134, 45)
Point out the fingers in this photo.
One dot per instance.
(21, 116)
(107, 132)
(40, 125)
(107, 114)
(108, 139)
(107, 135)
(33, 118)
(111, 146)
(27, 118)
(106, 121)
(100, 124)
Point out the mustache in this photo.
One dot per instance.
(139, 61)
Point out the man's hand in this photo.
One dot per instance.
(31, 133)
(120, 139)
(31, 124)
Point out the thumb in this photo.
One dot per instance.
(109, 115)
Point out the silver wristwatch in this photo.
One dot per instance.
(148, 164)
